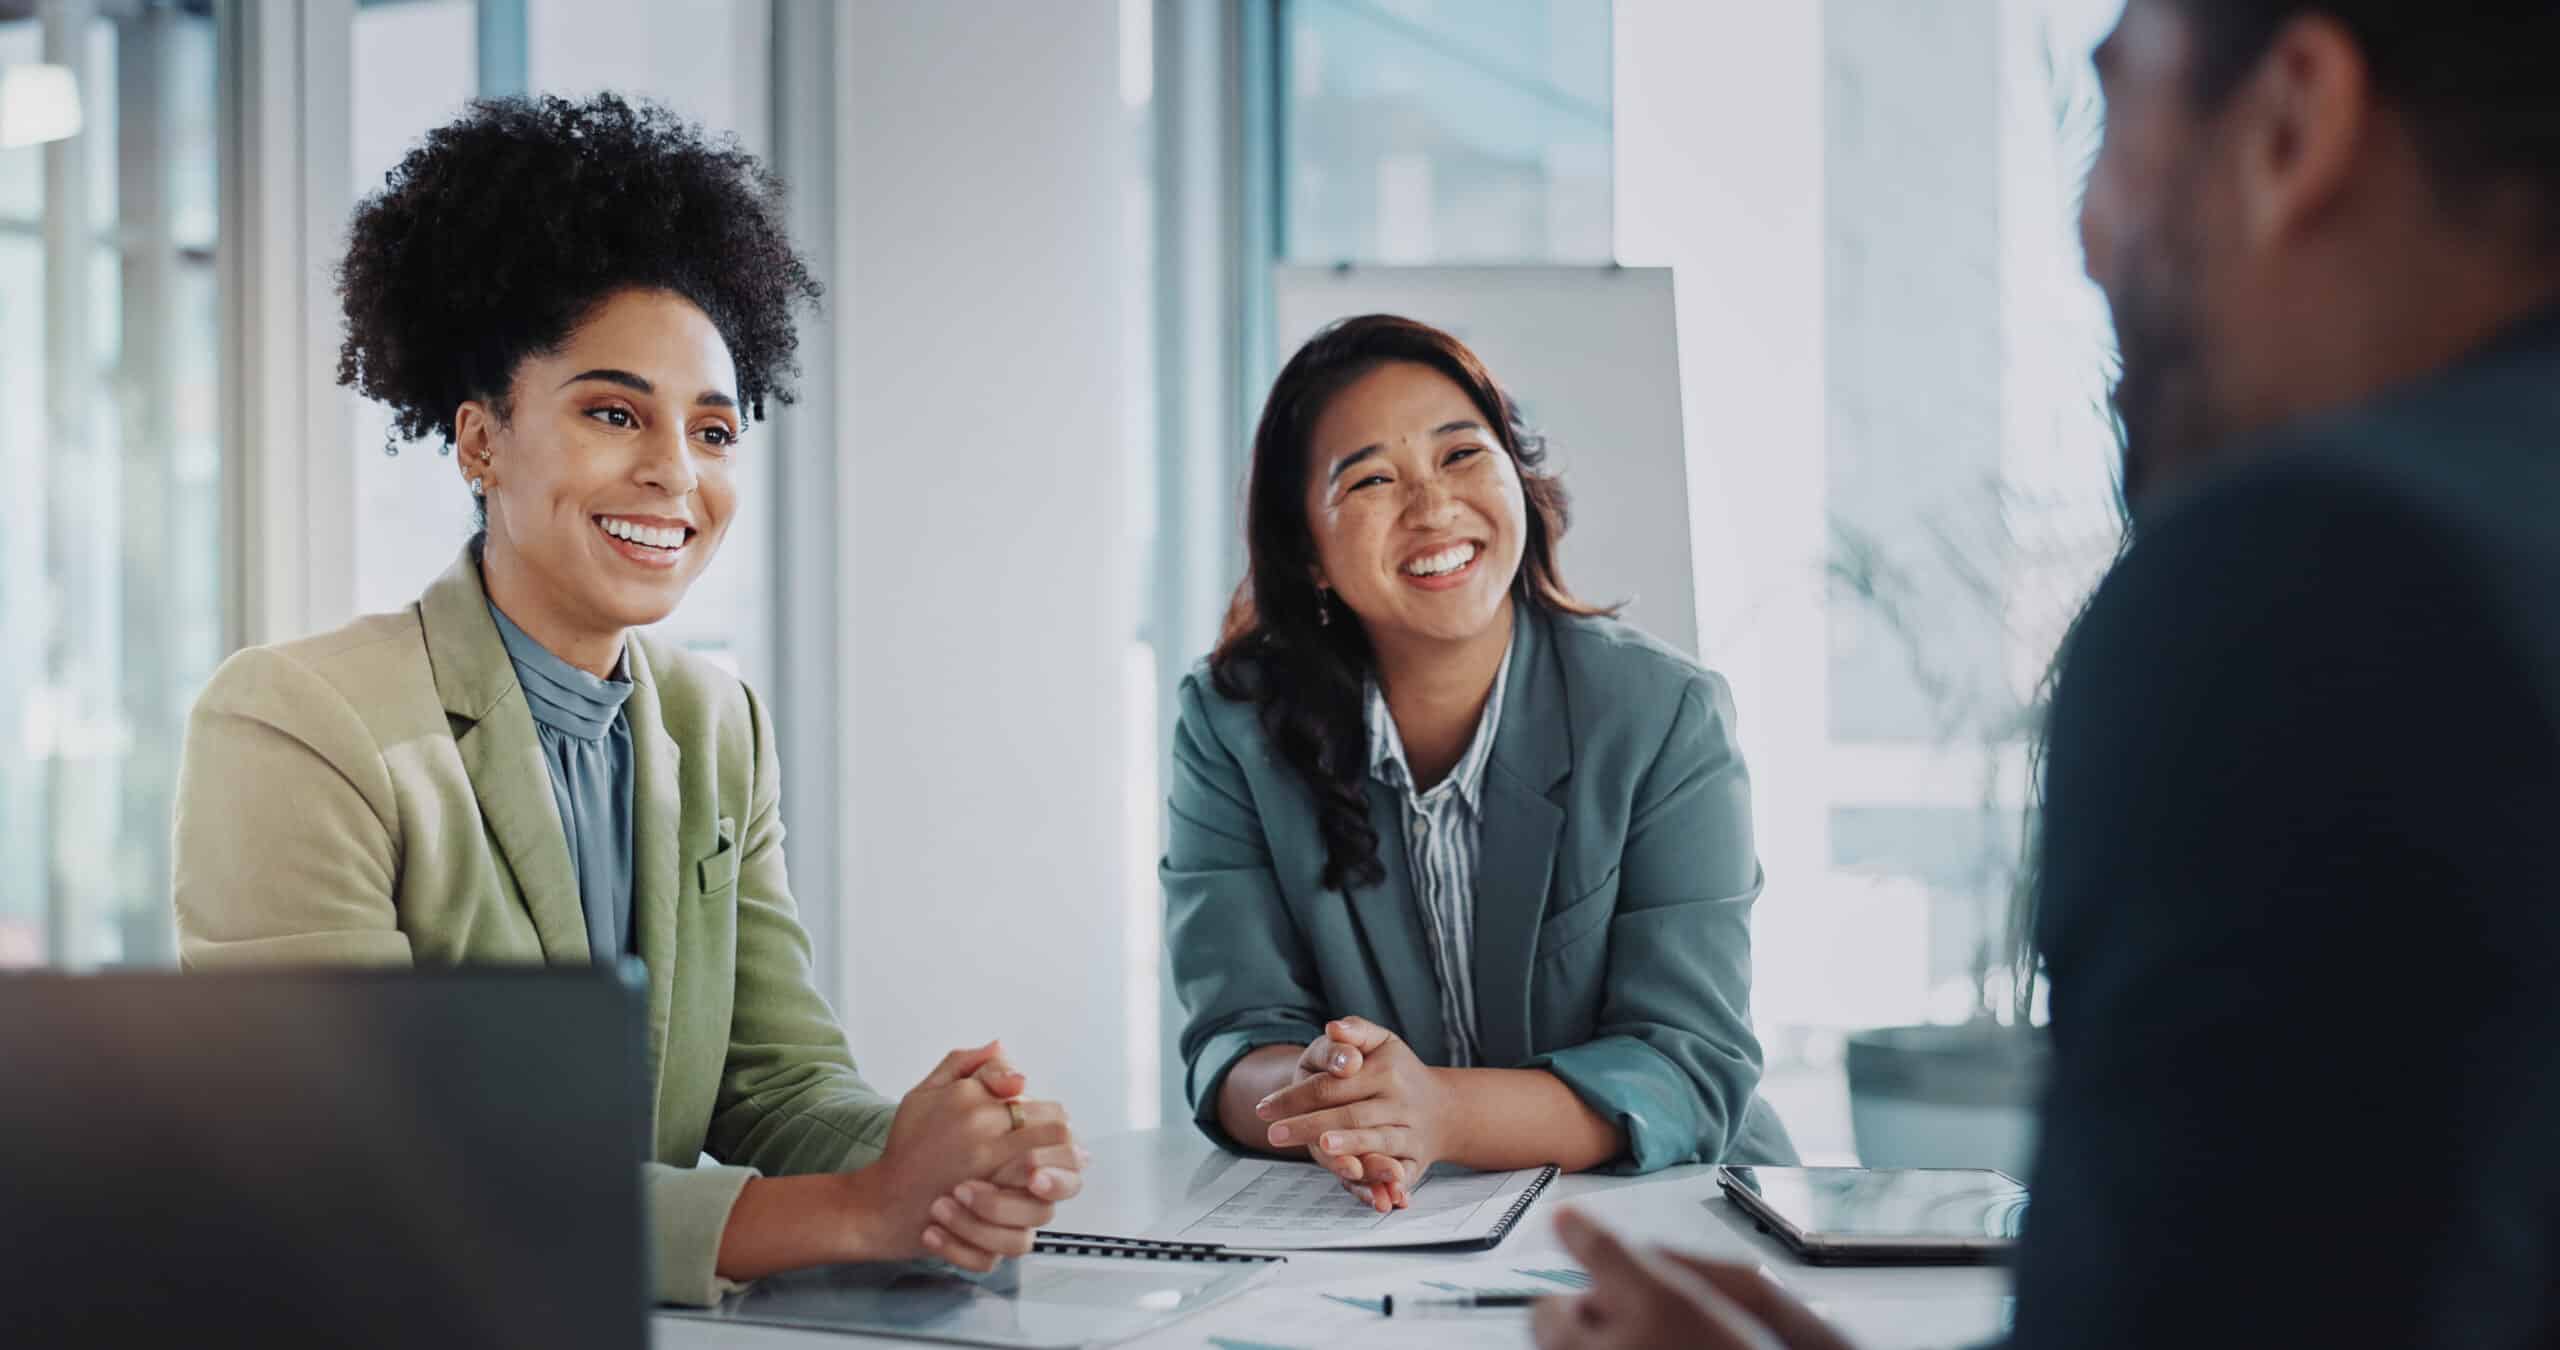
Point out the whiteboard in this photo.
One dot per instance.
(1592, 356)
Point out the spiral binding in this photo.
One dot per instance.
(1520, 1206)
(1146, 1249)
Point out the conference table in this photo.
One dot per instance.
(1142, 1174)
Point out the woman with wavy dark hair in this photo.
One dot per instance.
(590, 304)
(1460, 868)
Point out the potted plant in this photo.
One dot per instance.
(2023, 565)
(1963, 1094)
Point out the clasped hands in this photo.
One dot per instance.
(1367, 1109)
(957, 1181)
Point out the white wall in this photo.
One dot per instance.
(1732, 169)
(989, 613)
(413, 69)
(1719, 176)
(708, 60)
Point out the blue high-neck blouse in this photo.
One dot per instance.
(586, 742)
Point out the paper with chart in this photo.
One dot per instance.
(1351, 1315)
(1258, 1204)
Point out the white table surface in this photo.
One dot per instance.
(1138, 1176)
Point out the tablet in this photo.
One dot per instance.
(1882, 1216)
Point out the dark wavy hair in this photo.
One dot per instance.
(1306, 678)
(504, 229)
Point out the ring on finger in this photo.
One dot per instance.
(1013, 1110)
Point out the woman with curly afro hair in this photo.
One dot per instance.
(592, 305)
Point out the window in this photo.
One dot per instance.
(113, 576)
(1895, 380)
(111, 594)
(417, 63)
(1142, 791)
(1445, 131)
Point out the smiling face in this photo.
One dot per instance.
(1415, 507)
(609, 484)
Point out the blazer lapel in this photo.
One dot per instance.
(1389, 921)
(503, 755)
(1516, 853)
(657, 820)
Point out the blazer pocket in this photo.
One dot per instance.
(718, 870)
(1588, 913)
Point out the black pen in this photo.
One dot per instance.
(1426, 1307)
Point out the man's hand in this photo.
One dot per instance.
(1643, 1299)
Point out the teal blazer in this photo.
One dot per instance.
(1613, 905)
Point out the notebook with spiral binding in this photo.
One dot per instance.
(1261, 1204)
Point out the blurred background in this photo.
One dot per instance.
(1003, 518)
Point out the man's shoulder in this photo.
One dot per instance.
(2359, 601)
(2412, 495)
(2474, 453)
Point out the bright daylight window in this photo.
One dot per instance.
(1895, 378)
(111, 595)
(1445, 131)
(1889, 550)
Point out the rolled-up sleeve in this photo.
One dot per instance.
(1674, 1062)
(1241, 969)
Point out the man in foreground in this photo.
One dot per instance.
(2301, 903)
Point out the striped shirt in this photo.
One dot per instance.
(1442, 828)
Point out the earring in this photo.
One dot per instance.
(475, 487)
(1324, 607)
(391, 443)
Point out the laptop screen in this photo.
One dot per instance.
(386, 1159)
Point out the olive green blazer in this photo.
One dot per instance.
(1614, 886)
(377, 796)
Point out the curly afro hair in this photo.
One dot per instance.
(495, 238)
